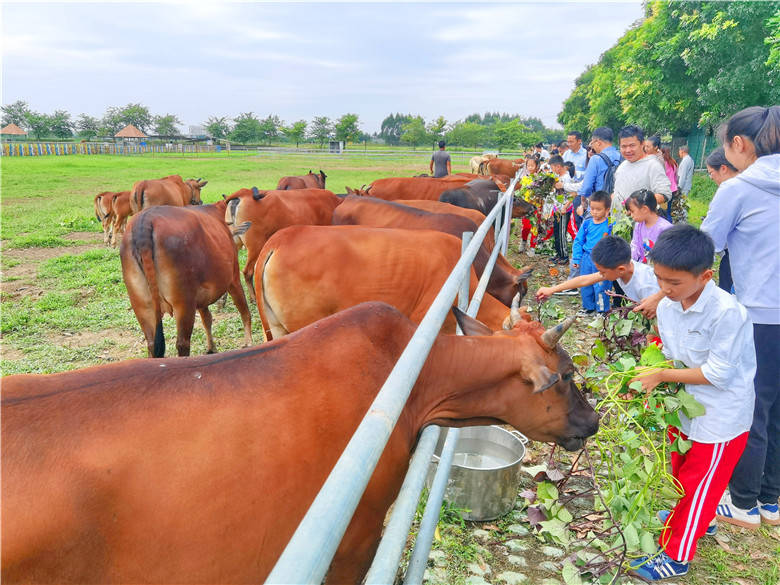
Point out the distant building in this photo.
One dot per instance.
(197, 132)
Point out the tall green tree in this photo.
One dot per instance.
(138, 115)
(167, 125)
(111, 122)
(246, 128)
(87, 126)
(687, 64)
(413, 132)
(346, 127)
(437, 129)
(60, 124)
(512, 134)
(468, 134)
(321, 130)
(270, 127)
(39, 124)
(16, 113)
(218, 127)
(392, 128)
(295, 132)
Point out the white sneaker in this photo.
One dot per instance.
(770, 513)
(728, 512)
(521, 246)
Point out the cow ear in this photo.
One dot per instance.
(525, 274)
(349, 191)
(470, 325)
(542, 378)
(256, 195)
(224, 197)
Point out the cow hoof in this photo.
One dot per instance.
(210, 351)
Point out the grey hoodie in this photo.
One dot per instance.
(744, 216)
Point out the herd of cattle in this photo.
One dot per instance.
(200, 469)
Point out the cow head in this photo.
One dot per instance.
(362, 192)
(195, 186)
(539, 398)
(521, 281)
(521, 207)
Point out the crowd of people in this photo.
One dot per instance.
(726, 335)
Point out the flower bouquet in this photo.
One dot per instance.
(539, 190)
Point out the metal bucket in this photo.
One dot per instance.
(485, 474)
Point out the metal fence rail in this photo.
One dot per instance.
(308, 554)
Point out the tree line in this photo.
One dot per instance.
(492, 129)
(685, 65)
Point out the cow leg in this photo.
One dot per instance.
(249, 277)
(236, 292)
(207, 319)
(185, 320)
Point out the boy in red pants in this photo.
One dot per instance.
(709, 331)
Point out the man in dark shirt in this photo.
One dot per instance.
(441, 160)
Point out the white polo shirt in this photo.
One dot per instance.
(643, 282)
(716, 334)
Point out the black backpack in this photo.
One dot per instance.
(609, 176)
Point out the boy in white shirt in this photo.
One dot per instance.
(706, 329)
(612, 258)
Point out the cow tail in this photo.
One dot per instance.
(143, 251)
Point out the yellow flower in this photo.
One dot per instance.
(527, 180)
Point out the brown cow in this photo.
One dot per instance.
(270, 211)
(102, 204)
(394, 188)
(171, 190)
(120, 212)
(501, 166)
(178, 260)
(309, 181)
(505, 281)
(199, 470)
(441, 207)
(354, 264)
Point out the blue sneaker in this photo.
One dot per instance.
(712, 529)
(658, 567)
(770, 513)
(728, 512)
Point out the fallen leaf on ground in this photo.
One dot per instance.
(723, 544)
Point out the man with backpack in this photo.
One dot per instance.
(638, 171)
(599, 175)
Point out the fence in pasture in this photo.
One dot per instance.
(113, 148)
(308, 554)
(141, 148)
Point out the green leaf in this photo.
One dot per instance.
(580, 360)
(546, 491)
(690, 406)
(627, 363)
(652, 355)
(681, 445)
(564, 515)
(623, 327)
(631, 536)
(637, 385)
(571, 575)
(598, 351)
(647, 543)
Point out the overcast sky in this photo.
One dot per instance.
(300, 60)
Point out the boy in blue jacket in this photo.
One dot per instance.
(594, 297)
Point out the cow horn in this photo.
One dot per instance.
(552, 336)
(514, 312)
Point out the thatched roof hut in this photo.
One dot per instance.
(13, 130)
(130, 131)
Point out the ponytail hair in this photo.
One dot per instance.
(760, 125)
(717, 158)
(644, 197)
(655, 141)
(570, 167)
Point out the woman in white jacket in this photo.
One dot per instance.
(744, 216)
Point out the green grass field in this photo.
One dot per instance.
(64, 304)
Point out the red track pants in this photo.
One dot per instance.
(703, 472)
